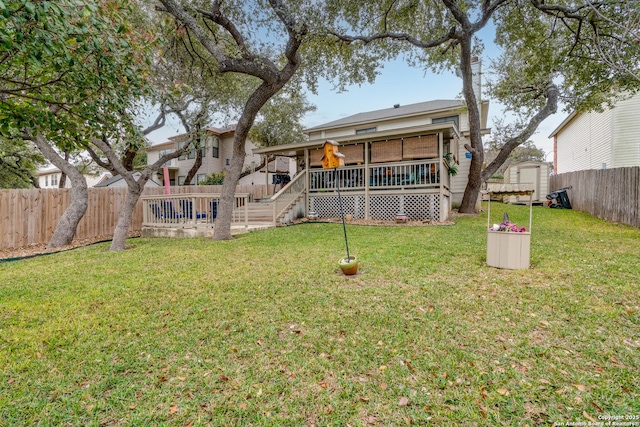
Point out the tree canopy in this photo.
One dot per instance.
(549, 55)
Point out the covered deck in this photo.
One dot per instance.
(401, 171)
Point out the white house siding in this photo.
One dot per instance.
(459, 182)
(626, 133)
(585, 143)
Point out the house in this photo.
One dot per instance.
(397, 160)
(49, 177)
(599, 140)
(118, 181)
(217, 153)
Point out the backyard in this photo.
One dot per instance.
(264, 330)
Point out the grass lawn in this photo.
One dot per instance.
(265, 330)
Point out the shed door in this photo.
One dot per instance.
(530, 174)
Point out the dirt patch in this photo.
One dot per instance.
(41, 248)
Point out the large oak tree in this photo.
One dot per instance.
(550, 55)
(269, 42)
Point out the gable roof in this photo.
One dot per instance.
(389, 113)
(117, 178)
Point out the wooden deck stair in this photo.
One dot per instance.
(262, 211)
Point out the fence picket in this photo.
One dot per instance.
(29, 216)
(611, 194)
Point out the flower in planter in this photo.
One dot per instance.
(507, 226)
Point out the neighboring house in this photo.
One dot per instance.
(396, 161)
(217, 153)
(118, 181)
(50, 178)
(595, 140)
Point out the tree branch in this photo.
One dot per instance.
(401, 37)
(550, 108)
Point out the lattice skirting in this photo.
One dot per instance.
(417, 207)
(329, 206)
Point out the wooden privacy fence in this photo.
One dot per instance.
(29, 217)
(611, 194)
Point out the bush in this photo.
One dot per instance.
(213, 179)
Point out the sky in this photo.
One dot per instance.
(399, 83)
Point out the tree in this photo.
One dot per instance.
(279, 122)
(19, 162)
(227, 33)
(615, 54)
(548, 56)
(69, 70)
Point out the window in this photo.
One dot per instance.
(367, 130)
(215, 147)
(54, 179)
(46, 180)
(182, 156)
(453, 119)
(200, 178)
(181, 180)
(192, 154)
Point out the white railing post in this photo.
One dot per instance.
(246, 212)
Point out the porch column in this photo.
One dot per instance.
(441, 153)
(366, 180)
(307, 181)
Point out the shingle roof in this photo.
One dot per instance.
(388, 113)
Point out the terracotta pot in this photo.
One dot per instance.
(348, 266)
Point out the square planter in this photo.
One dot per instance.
(508, 250)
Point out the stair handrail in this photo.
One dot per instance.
(288, 194)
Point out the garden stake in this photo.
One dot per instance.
(344, 226)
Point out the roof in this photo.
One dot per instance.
(171, 141)
(389, 113)
(563, 124)
(117, 178)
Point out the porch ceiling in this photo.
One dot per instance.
(297, 149)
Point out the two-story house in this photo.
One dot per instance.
(599, 140)
(397, 160)
(49, 177)
(216, 156)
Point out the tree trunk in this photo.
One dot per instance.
(222, 225)
(63, 176)
(474, 182)
(121, 231)
(196, 165)
(68, 223)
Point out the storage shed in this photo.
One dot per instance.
(536, 173)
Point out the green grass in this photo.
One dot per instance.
(265, 330)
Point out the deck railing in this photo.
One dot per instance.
(422, 174)
(190, 210)
(283, 199)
